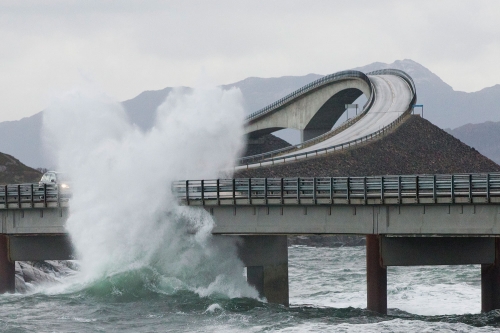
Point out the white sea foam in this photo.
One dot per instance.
(123, 215)
(336, 277)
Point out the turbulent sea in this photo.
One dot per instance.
(327, 294)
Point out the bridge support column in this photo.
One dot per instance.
(376, 276)
(308, 134)
(266, 260)
(7, 268)
(490, 282)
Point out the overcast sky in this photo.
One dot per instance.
(126, 47)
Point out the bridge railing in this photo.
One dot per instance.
(404, 189)
(274, 156)
(307, 88)
(32, 196)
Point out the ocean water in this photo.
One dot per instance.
(327, 293)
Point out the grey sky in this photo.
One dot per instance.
(126, 47)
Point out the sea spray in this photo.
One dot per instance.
(123, 215)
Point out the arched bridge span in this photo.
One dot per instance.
(313, 109)
(316, 107)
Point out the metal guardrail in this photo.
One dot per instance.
(375, 190)
(17, 196)
(307, 88)
(273, 156)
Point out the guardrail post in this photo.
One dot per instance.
(187, 192)
(282, 201)
(452, 186)
(32, 197)
(203, 192)
(470, 188)
(331, 190)
(434, 188)
(314, 190)
(249, 191)
(488, 188)
(298, 191)
(19, 196)
(382, 190)
(417, 187)
(364, 188)
(265, 191)
(45, 195)
(348, 188)
(399, 190)
(234, 191)
(58, 196)
(218, 192)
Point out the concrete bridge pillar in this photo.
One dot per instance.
(376, 276)
(490, 282)
(266, 260)
(308, 134)
(7, 268)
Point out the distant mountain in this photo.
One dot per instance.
(443, 106)
(484, 137)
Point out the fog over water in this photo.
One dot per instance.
(123, 216)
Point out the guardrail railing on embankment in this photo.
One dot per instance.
(374, 190)
(274, 156)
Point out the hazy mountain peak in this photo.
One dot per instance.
(420, 74)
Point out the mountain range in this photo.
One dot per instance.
(443, 106)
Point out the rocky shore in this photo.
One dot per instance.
(33, 273)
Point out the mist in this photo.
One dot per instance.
(123, 215)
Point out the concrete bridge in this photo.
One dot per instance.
(316, 107)
(407, 220)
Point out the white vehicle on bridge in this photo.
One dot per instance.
(56, 183)
(59, 179)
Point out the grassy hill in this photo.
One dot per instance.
(14, 172)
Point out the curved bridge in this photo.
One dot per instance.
(315, 108)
